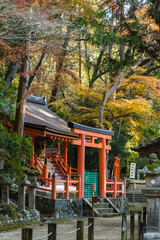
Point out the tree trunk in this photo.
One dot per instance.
(22, 91)
(59, 66)
(12, 69)
(117, 85)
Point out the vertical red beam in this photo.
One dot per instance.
(69, 170)
(66, 187)
(79, 186)
(102, 168)
(53, 193)
(81, 161)
(59, 147)
(116, 169)
(65, 153)
(118, 163)
(32, 158)
(44, 174)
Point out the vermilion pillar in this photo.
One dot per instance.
(116, 167)
(81, 161)
(65, 153)
(32, 158)
(102, 168)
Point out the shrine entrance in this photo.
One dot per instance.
(86, 138)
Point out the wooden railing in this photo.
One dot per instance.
(62, 167)
(74, 172)
(51, 183)
(114, 187)
(38, 164)
(59, 162)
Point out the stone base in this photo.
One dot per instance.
(59, 208)
(35, 215)
(152, 236)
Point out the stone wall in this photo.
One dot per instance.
(59, 208)
(118, 203)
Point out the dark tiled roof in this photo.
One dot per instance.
(145, 149)
(90, 129)
(37, 113)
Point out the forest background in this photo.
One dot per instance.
(96, 61)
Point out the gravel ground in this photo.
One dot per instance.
(105, 229)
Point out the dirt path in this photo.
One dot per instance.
(105, 229)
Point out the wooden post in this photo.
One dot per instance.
(66, 187)
(53, 193)
(124, 195)
(49, 178)
(27, 233)
(115, 187)
(45, 170)
(80, 232)
(91, 229)
(52, 227)
(124, 227)
(131, 225)
(81, 161)
(65, 153)
(102, 168)
(32, 161)
(144, 218)
(79, 186)
(69, 170)
(93, 189)
(139, 221)
(122, 198)
(116, 170)
(118, 163)
(32, 158)
(134, 188)
(141, 230)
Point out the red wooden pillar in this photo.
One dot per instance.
(45, 170)
(81, 161)
(102, 168)
(116, 167)
(65, 153)
(66, 187)
(32, 158)
(79, 186)
(53, 193)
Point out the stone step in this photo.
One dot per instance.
(53, 170)
(109, 215)
(104, 211)
(102, 200)
(101, 205)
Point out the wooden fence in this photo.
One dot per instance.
(27, 233)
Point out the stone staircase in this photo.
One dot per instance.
(52, 168)
(103, 208)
